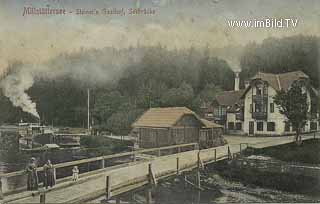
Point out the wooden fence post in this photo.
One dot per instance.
(118, 201)
(229, 153)
(198, 171)
(108, 187)
(148, 195)
(178, 166)
(215, 155)
(55, 173)
(152, 177)
(1, 192)
(43, 197)
(103, 164)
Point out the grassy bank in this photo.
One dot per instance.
(308, 152)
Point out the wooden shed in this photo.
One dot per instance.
(159, 127)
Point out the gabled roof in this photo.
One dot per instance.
(162, 117)
(229, 98)
(280, 81)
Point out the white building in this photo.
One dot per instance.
(262, 116)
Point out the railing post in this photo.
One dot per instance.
(159, 152)
(215, 155)
(108, 187)
(240, 149)
(178, 166)
(229, 153)
(148, 196)
(103, 164)
(1, 192)
(151, 176)
(42, 197)
(54, 173)
(118, 201)
(198, 172)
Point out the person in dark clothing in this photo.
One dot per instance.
(33, 180)
(49, 178)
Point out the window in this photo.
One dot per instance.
(238, 126)
(259, 126)
(271, 107)
(313, 126)
(223, 111)
(259, 91)
(271, 126)
(265, 90)
(257, 107)
(230, 126)
(251, 108)
(216, 112)
(287, 127)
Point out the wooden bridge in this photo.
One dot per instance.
(112, 178)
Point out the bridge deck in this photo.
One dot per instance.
(126, 177)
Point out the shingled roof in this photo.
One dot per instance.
(162, 117)
(229, 98)
(280, 81)
(168, 117)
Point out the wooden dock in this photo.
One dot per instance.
(115, 180)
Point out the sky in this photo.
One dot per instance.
(175, 24)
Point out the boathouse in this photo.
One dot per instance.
(159, 127)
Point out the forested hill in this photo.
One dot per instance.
(126, 82)
(123, 83)
(275, 55)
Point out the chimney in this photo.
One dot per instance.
(236, 81)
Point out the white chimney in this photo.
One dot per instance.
(236, 81)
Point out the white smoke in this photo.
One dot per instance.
(15, 85)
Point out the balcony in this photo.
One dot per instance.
(259, 115)
(260, 98)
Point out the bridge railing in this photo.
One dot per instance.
(16, 181)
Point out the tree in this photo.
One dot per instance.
(293, 104)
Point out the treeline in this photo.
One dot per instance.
(124, 83)
(155, 77)
(279, 55)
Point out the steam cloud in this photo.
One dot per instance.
(90, 67)
(15, 85)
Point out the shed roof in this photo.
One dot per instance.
(162, 117)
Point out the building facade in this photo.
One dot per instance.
(227, 109)
(262, 116)
(252, 111)
(159, 127)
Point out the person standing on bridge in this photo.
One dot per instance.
(75, 173)
(49, 178)
(33, 180)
